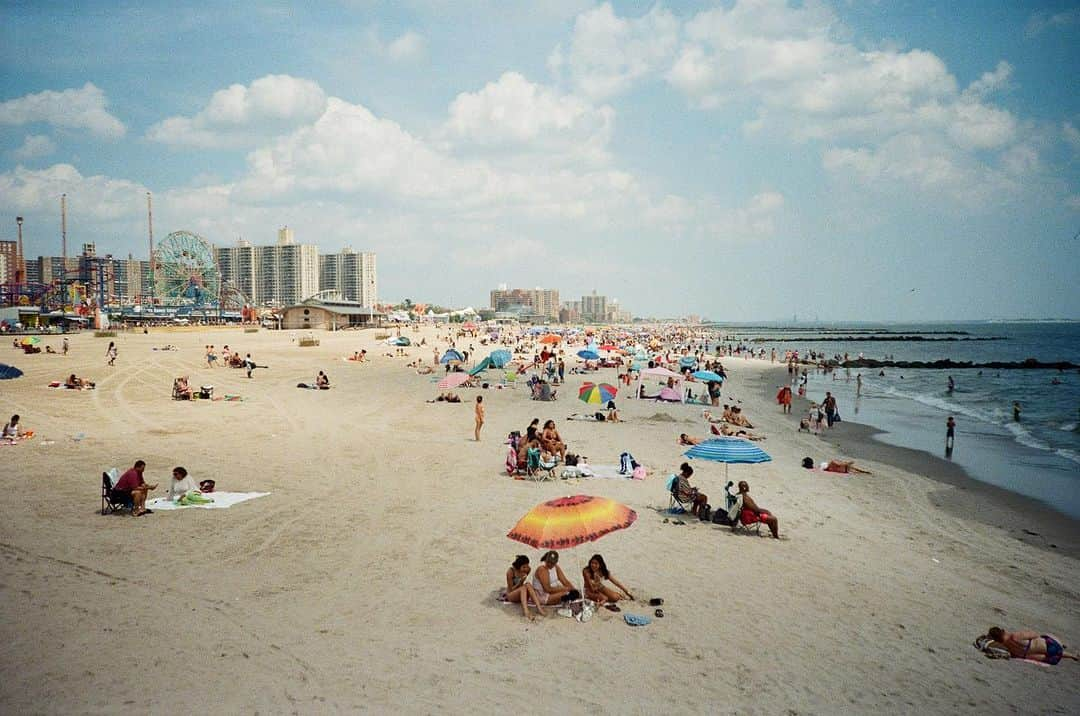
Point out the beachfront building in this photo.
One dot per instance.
(594, 308)
(9, 256)
(323, 314)
(351, 274)
(286, 273)
(237, 267)
(541, 302)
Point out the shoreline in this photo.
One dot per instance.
(962, 496)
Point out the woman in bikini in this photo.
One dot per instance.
(1032, 645)
(594, 575)
(518, 588)
(551, 441)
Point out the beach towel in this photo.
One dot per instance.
(636, 619)
(221, 501)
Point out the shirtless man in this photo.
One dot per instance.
(752, 513)
(1032, 645)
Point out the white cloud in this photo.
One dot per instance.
(407, 47)
(244, 115)
(98, 198)
(515, 114)
(607, 53)
(83, 108)
(1042, 21)
(34, 146)
(991, 82)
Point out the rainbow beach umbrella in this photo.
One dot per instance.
(594, 394)
(566, 522)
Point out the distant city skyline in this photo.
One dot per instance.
(746, 160)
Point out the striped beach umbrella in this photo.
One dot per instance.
(728, 451)
(566, 522)
(597, 394)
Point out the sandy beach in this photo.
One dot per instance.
(366, 580)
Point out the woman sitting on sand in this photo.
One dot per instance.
(594, 575)
(12, 432)
(844, 466)
(518, 588)
(551, 441)
(550, 583)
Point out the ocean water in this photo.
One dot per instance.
(1037, 456)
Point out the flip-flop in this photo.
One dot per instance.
(659, 613)
(612, 607)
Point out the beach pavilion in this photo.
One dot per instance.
(331, 315)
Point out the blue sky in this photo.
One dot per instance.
(744, 160)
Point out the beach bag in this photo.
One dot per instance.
(720, 517)
(627, 463)
(571, 459)
(639, 472)
(599, 417)
(705, 512)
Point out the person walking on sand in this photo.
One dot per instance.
(249, 364)
(950, 433)
(479, 417)
(110, 352)
(64, 346)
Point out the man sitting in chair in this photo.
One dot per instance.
(752, 513)
(131, 485)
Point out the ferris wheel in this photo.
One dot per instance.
(186, 270)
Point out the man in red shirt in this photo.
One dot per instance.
(131, 484)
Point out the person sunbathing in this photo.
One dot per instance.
(518, 588)
(551, 441)
(727, 431)
(75, 383)
(1032, 645)
(844, 466)
(322, 381)
(685, 439)
(751, 512)
(550, 583)
(424, 370)
(737, 418)
(594, 574)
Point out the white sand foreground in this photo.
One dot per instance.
(365, 581)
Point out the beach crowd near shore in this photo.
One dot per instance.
(394, 534)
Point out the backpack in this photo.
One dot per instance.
(705, 513)
(720, 517)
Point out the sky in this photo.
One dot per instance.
(742, 160)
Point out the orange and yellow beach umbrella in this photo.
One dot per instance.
(566, 522)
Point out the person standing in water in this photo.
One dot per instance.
(1016, 411)
(950, 433)
(858, 384)
(952, 384)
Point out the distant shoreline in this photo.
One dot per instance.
(969, 499)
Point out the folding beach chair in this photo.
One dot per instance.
(110, 501)
(536, 468)
(677, 506)
(734, 510)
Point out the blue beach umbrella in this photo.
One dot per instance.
(708, 375)
(687, 361)
(7, 372)
(451, 355)
(500, 357)
(728, 451)
(588, 355)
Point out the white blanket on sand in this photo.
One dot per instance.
(606, 471)
(221, 501)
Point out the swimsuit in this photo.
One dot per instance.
(1054, 649)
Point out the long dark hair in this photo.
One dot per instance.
(603, 566)
(520, 561)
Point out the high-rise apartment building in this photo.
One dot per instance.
(286, 273)
(351, 274)
(593, 307)
(237, 267)
(10, 251)
(539, 301)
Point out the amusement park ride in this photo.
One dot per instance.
(185, 281)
